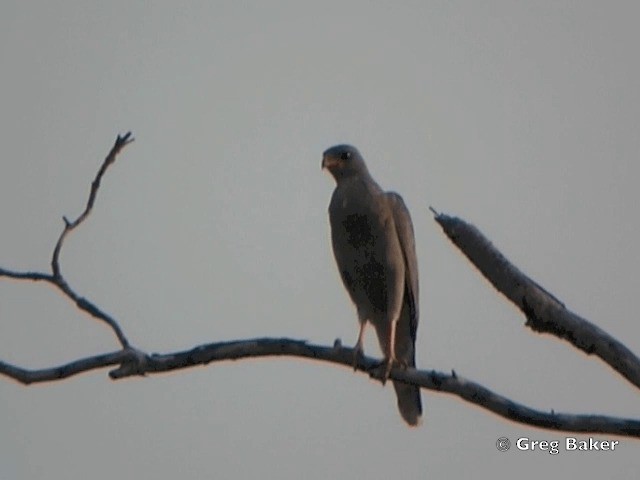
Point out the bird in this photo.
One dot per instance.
(374, 248)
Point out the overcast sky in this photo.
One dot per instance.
(521, 117)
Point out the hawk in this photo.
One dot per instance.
(374, 247)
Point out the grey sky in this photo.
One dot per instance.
(521, 117)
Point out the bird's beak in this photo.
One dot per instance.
(328, 162)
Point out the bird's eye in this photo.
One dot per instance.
(345, 155)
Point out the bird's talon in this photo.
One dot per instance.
(388, 365)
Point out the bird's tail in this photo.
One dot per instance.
(409, 403)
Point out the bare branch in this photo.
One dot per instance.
(506, 408)
(27, 377)
(33, 276)
(137, 363)
(121, 142)
(82, 303)
(544, 312)
(89, 307)
(56, 278)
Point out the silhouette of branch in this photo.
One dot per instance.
(137, 363)
(544, 312)
(121, 142)
(56, 278)
(33, 276)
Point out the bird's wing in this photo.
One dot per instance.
(404, 230)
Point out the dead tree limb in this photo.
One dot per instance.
(543, 311)
(268, 347)
(55, 277)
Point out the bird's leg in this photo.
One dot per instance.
(391, 352)
(358, 351)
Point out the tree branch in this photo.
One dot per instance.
(56, 278)
(121, 142)
(27, 376)
(138, 363)
(33, 276)
(544, 312)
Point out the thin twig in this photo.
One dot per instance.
(56, 278)
(121, 142)
(34, 276)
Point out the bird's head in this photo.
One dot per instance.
(343, 161)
